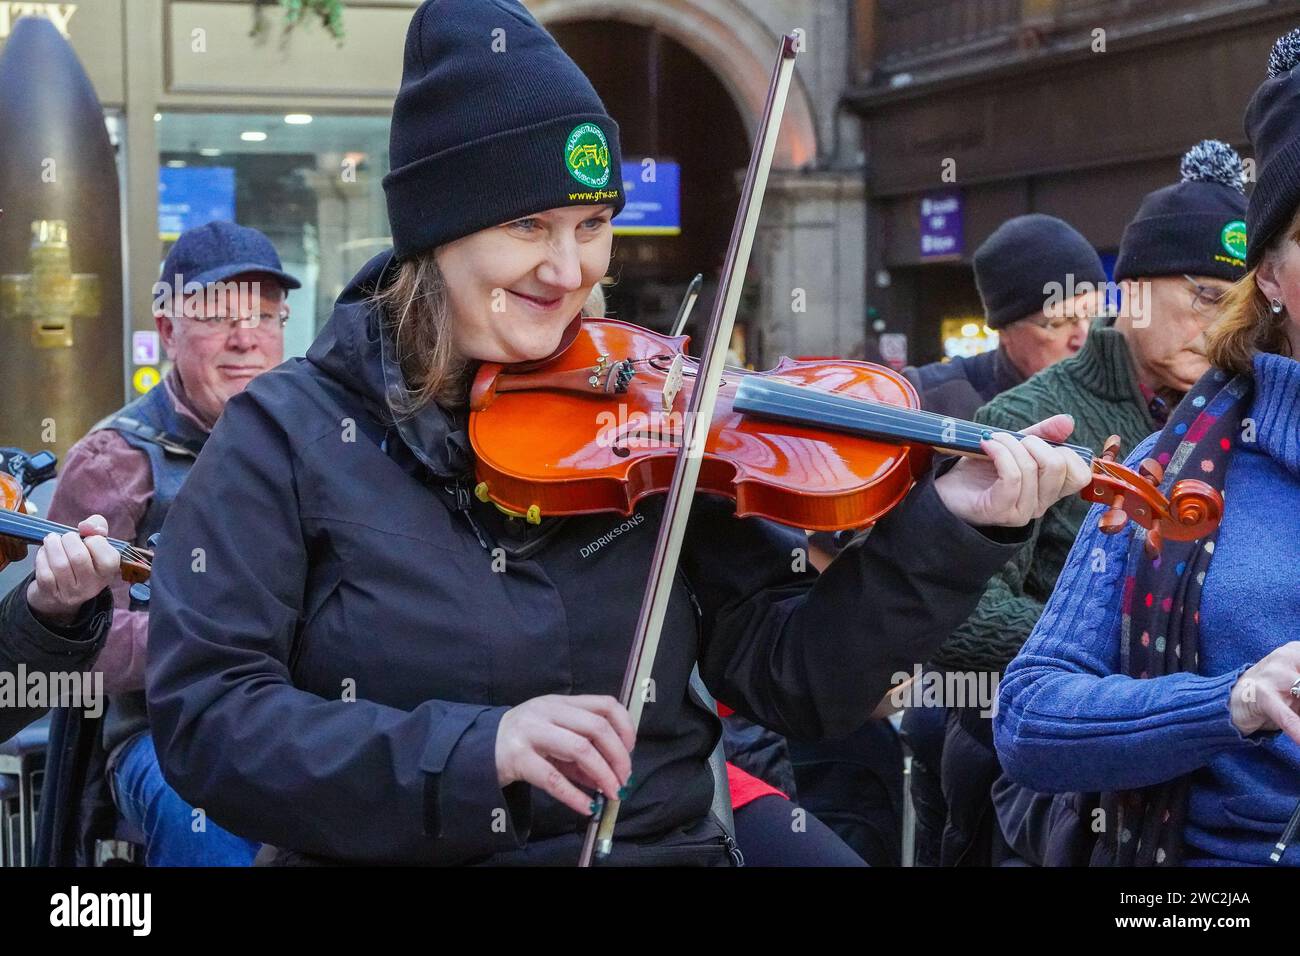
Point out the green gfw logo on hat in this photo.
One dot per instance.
(586, 153)
(1233, 238)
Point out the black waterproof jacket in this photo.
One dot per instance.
(959, 387)
(337, 627)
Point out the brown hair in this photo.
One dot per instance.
(418, 316)
(1248, 324)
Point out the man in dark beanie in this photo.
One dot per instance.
(1028, 264)
(1029, 267)
(1178, 256)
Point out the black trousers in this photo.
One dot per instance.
(772, 831)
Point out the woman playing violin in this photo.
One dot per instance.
(354, 658)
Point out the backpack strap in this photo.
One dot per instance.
(172, 444)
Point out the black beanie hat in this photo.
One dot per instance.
(1273, 126)
(1194, 227)
(493, 122)
(1017, 265)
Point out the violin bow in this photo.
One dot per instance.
(599, 839)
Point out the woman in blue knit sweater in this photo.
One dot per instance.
(1171, 685)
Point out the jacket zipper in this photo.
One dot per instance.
(460, 494)
(737, 858)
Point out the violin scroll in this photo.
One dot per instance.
(1196, 507)
(1192, 510)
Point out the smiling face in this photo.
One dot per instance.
(216, 356)
(514, 288)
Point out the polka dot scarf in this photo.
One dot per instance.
(1161, 607)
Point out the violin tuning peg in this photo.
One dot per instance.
(1115, 518)
(1152, 470)
(1113, 521)
(1110, 450)
(1154, 543)
(153, 540)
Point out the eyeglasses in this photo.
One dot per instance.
(1064, 322)
(263, 322)
(1206, 299)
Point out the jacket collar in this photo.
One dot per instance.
(355, 349)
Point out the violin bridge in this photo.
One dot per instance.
(673, 382)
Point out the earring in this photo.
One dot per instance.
(1276, 305)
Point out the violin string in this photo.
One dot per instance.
(871, 415)
(875, 413)
(963, 428)
(891, 417)
(969, 431)
(879, 413)
(894, 426)
(34, 524)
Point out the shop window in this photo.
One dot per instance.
(311, 183)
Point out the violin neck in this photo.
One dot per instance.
(768, 397)
(26, 527)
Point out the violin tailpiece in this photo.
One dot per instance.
(611, 378)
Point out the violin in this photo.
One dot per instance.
(18, 529)
(820, 445)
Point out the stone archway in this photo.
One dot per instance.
(736, 46)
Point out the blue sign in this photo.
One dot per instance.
(1113, 297)
(653, 189)
(191, 196)
(941, 228)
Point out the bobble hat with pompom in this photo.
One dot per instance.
(1196, 226)
(1273, 126)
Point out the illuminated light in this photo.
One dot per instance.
(298, 119)
(176, 164)
(209, 151)
(157, 117)
(970, 330)
(252, 136)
